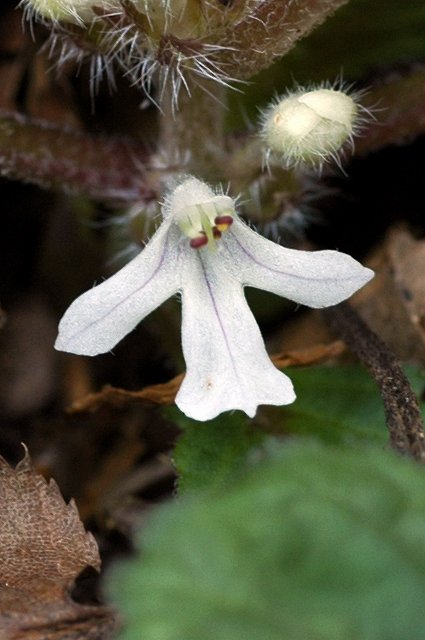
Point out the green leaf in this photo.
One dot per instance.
(314, 543)
(208, 453)
(338, 405)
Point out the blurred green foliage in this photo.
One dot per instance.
(339, 404)
(336, 405)
(314, 543)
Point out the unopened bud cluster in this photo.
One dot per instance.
(309, 127)
(73, 11)
(161, 39)
(182, 18)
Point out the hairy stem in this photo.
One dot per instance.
(269, 31)
(402, 412)
(39, 152)
(192, 136)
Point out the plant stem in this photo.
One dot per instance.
(269, 31)
(36, 151)
(402, 412)
(192, 136)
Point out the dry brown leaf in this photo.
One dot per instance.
(164, 394)
(158, 394)
(399, 106)
(43, 548)
(393, 304)
(311, 355)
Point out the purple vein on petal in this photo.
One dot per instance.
(290, 275)
(210, 291)
(140, 288)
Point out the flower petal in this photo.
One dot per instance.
(101, 317)
(227, 364)
(314, 278)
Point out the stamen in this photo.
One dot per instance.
(223, 222)
(206, 224)
(201, 215)
(199, 241)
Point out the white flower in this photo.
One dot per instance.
(203, 251)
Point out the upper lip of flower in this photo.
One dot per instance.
(227, 364)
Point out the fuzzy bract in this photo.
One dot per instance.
(207, 254)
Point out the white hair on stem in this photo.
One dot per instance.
(110, 36)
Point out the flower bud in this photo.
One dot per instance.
(182, 19)
(309, 127)
(188, 19)
(75, 11)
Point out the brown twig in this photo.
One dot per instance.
(43, 153)
(404, 420)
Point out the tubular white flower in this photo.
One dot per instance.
(309, 126)
(227, 364)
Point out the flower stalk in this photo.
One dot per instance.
(192, 130)
(403, 416)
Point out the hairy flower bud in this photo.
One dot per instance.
(308, 127)
(75, 11)
(182, 18)
(160, 43)
(189, 19)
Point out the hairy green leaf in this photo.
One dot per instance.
(208, 453)
(314, 543)
(336, 404)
